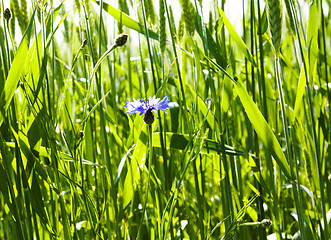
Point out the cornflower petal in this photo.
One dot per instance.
(136, 106)
(152, 102)
(163, 104)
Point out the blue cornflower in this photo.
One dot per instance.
(146, 107)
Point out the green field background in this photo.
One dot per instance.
(243, 152)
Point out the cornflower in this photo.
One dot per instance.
(147, 107)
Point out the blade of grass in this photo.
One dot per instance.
(126, 20)
(15, 71)
(240, 43)
(259, 123)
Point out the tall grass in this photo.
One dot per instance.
(242, 153)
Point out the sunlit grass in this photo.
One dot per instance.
(243, 152)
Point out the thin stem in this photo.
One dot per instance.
(178, 69)
(150, 159)
(318, 160)
(112, 48)
(289, 153)
(311, 111)
(7, 45)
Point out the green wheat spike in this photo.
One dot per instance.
(12, 21)
(24, 12)
(275, 23)
(181, 26)
(189, 12)
(172, 23)
(162, 27)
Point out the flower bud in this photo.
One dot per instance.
(80, 134)
(149, 117)
(7, 14)
(121, 39)
(265, 223)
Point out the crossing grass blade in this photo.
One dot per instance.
(236, 38)
(180, 142)
(126, 20)
(263, 129)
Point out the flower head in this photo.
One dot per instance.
(147, 107)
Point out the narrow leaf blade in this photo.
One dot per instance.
(263, 129)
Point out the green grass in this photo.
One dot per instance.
(246, 139)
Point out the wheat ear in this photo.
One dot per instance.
(162, 27)
(275, 23)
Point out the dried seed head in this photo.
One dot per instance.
(121, 39)
(7, 14)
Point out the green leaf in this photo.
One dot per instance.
(57, 27)
(215, 50)
(126, 20)
(300, 92)
(15, 71)
(38, 203)
(5, 190)
(137, 161)
(4, 67)
(180, 142)
(308, 66)
(235, 36)
(65, 219)
(260, 125)
(121, 165)
(263, 129)
(312, 36)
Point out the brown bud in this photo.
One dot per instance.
(121, 39)
(81, 134)
(149, 117)
(7, 14)
(265, 223)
